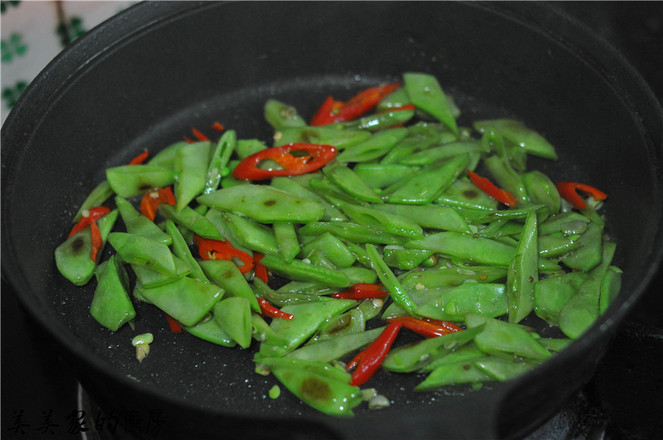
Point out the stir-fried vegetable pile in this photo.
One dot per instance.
(380, 216)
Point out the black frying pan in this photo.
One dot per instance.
(144, 78)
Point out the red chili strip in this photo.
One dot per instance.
(217, 126)
(199, 135)
(569, 191)
(338, 111)
(489, 188)
(210, 249)
(97, 241)
(369, 360)
(260, 270)
(361, 291)
(175, 326)
(311, 157)
(427, 327)
(269, 310)
(149, 205)
(140, 158)
(401, 108)
(87, 217)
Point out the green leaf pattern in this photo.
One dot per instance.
(28, 45)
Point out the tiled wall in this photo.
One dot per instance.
(34, 32)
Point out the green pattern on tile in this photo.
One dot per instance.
(70, 30)
(4, 5)
(11, 94)
(13, 47)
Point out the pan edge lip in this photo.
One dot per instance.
(622, 310)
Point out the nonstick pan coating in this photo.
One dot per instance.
(146, 77)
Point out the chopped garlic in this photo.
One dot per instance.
(142, 350)
(378, 402)
(142, 343)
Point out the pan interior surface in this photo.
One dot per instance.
(191, 65)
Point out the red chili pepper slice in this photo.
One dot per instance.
(427, 327)
(361, 291)
(260, 270)
(140, 158)
(569, 191)
(199, 135)
(175, 326)
(337, 111)
(217, 126)
(485, 185)
(210, 249)
(150, 202)
(315, 157)
(368, 361)
(269, 310)
(87, 217)
(97, 241)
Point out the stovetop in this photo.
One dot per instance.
(624, 400)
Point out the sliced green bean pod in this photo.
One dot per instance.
(251, 234)
(247, 147)
(97, 197)
(308, 317)
(429, 216)
(417, 355)
(227, 275)
(209, 330)
(219, 160)
(111, 305)
(191, 163)
(612, 283)
(389, 222)
(582, 309)
(376, 146)
(433, 155)
(132, 180)
(233, 315)
(264, 204)
(192, 220)
(353, 232)
(505, 339)
(378, 121)
(335, 347)
(298, 270)
(141, 251)
(187, 299)
(337, 252)
(321, 135)
(457, 373)
(503, 369)
(281, 115)
(523, 272)
(427, 185)
(426, 94)
(294, 187)
(319, 389)
(72, 257)
(589, 254)
(517, 133)
(487, 299)
(138, 224)
(381, 175)
(389, 280)
(350, 182)
(552, 293)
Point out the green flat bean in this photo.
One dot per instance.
(264, 204)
